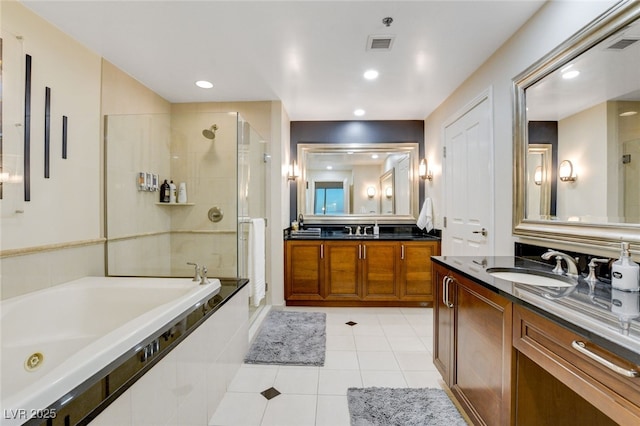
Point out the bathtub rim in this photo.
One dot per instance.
(89, 374)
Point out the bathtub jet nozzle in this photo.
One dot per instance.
(33, 361)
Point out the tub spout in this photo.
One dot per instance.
(196, 274)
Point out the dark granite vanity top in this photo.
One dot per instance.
(339, 232)
(607, 317)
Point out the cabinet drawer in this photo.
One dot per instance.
(570, 358)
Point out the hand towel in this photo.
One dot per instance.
(257, 261)
(425, 220)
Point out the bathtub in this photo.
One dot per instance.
(55, 339)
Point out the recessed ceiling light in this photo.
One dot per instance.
(358, 112)
(204, 84)
(350, 152)
(628, 113)
(570, 74)
(374, 156)
(329, 167)
(371, 74)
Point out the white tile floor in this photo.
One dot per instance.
(388, 347)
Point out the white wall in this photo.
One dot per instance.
(549, 27)
(57, 235)
(580, 138)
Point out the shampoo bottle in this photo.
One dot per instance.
(625, 274)
(182, 192)
(172, 192)
(164, 192)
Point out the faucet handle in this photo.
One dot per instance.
(204, 279)
(558, 269)
(196, 275)
(349, 228)
(592, 269)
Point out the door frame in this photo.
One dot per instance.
(486, 94)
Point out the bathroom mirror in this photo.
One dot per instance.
(358, 182)
(589, 87)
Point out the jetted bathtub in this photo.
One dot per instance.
(55, 339)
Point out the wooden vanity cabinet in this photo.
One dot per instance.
(304, 269)
(472, 346)
(359, 272)
(558, 383)
(342, 268)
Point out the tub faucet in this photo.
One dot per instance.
(572, 266)
(196, 274)
(204, 279)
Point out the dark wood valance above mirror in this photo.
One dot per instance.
(381, 136)
(588, 89)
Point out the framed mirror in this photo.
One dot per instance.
(358, 182)
(589, 89)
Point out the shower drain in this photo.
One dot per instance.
(33, 361)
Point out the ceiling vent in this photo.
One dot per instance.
(621, 44)
(380, 43)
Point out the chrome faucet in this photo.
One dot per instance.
(572, 266)
(196, 274)
(358, 230)
(349, 228)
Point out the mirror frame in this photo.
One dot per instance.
(605, 236)
(412, 148)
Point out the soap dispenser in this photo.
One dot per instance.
(625, 274)
(376, 229)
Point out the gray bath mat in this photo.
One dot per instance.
(402, 407)
(290, 338)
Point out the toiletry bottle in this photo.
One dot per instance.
(182, 192)
(164, 192)
(376, 229)
(625, 274)
(172, 192)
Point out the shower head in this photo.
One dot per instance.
(210, 133)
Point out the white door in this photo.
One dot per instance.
(468, 183)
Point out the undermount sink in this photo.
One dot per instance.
(531, 277)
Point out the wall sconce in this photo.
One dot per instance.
(371, 192)
(537, 176)
(423, 171)
(565, 172)
(388, 192)
(293, 171)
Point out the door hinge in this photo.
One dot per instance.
(266, 287)
(445, 221)
(444, 152)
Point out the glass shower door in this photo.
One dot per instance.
(252, 190)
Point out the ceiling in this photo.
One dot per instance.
(311, 55)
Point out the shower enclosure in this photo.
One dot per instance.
(218, 157)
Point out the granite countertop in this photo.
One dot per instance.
(585, 308)
(340, 233)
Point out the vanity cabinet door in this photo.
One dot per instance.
(304, 270)
(342, 270)
(415, 270)
(380, 269)
(472, 346)
(482, 352)
(442, 325)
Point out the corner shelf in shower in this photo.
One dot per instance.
(175, 204)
